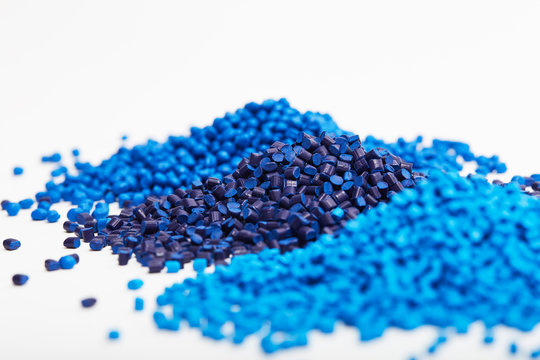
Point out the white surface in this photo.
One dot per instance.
(82, 73)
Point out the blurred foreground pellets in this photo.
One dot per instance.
(448, 253)
(281, 198)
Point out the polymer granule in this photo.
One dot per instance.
(282, 198)
(448, 253)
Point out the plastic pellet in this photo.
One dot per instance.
(88, 302)
(139, 304)
(135, 284)
(72, 242)
(96, 244)
(173, 266)
(53, 216)
(17, 170)
(114, 335)
(52, 265)
(11, 244)
(12, 208)
(39, 214)
(26, 203)
(56, 157)
(513, 348)
(199, 265)
(19, 279)
(67, 262)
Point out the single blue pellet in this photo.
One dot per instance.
(67, 262)
(52, 265)
(13, 208)
(114, 335)
(199, 265)
(75, 152)
(53, 216)
(139, 304)
(17, 170)
(39, 214)
(336, 180)
(88, 302)
(173, 266)
(135, 284)
(11, 244)
(96, 244)
(337, 213)
(45, 205)
(72, 242)
(19, 279)
(56, 157)
(26, 203)
(513, 348)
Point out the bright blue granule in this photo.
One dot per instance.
(448, 253)
(114, 335)
(135, 284)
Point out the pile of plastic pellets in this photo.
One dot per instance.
(294, 225)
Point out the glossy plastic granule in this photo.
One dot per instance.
(447, 253)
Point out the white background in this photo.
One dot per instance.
(83, 73)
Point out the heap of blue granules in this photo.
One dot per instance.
(154, 168)
(130, 175)
(282, 198)
(450, 252)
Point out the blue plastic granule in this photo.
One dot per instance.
(19, 279)
(26, 203)
(451, 252)
(513, 348)
(72, 242)
(135, 284)
(173, 266)
(488, 337)
(45, 205)
(139, 304)
(199, 265)
(53, 216)
(52, 265)
(56, 157)
(18, 170)
(12, 208)
(88, 302)
(67, 262)
(39, 214)
(97, 244)
(11, 244)
(114, 335)
(283, 197)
